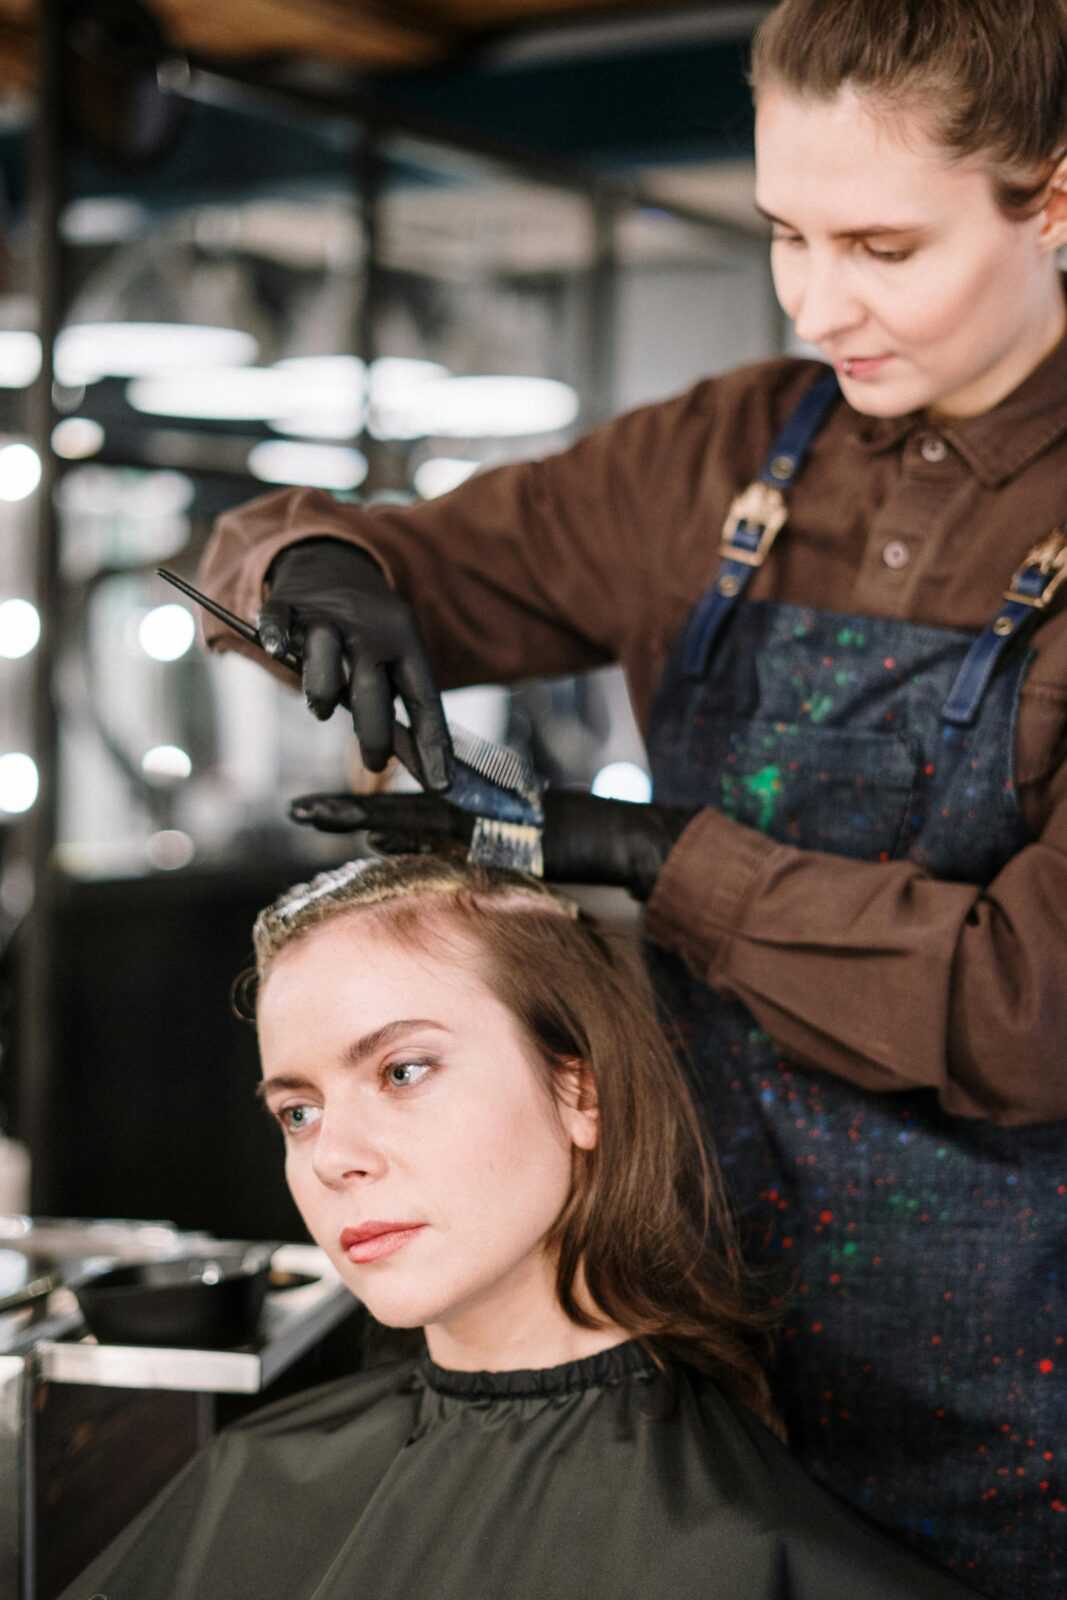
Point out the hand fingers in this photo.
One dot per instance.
(371, 700)
(273, 623)
(330, 813)
(417, 689)
(411, 816)
(324, 669)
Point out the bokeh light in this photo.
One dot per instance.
(166, 763)
(18, 783)
(167, 632)
(623, 780)
(20, 628)
(20, 471)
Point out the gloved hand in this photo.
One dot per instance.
(361, 644)
(586, 839)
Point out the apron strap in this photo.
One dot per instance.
(1031, 592)
(754, 520)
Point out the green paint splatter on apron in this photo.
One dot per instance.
(764, 787)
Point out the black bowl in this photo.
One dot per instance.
(204, 1301)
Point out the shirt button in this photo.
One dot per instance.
(932, 448)
(896, 555)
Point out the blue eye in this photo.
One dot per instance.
(406, 1074)
(296, 1119)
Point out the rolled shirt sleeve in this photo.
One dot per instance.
(878, 972)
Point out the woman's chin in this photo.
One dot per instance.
(396, 1310)
(390, 1318)
(890, 400)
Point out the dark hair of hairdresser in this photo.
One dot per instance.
(646, 1221)
(993, 73)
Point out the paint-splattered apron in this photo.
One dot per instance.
(923, 1373)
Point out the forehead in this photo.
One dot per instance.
(853, 150)
(426, 947)
(355, 963)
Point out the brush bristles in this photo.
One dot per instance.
(507, 844)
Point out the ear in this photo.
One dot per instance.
(1053, 235)
(576, 1098)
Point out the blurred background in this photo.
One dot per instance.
(368, 246)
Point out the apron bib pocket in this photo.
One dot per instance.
(820, 788)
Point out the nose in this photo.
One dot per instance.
(823, 308)
(346, 1152)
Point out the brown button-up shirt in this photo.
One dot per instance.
(873, 971)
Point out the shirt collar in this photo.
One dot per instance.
(1002, 441)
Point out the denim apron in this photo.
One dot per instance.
(922, 1365)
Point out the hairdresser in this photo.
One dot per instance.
(857, 883)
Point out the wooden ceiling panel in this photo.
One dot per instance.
(356, 31)
(492, 14)
(16, 45)
(371, 34)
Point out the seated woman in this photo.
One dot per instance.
(486, 1132)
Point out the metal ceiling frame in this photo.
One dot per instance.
(241, 86)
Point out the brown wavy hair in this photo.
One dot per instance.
(646, 1227)
(992, 74)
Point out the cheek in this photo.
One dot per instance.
(920, 319)
(303, 1186)
(519, 1162)
(956, 300)
(926, 319)
(786, 277)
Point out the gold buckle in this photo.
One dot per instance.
(1048, 556)
(762, 506)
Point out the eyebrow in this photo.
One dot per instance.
(872, 231)
(369, 1044)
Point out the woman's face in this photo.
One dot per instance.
(423, 1149)
(895, 261)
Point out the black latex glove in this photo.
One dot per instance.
(586, 839)
(361, 645)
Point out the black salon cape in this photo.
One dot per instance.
(596, 1479)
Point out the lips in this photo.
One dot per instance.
(374, 1240)
(861, 366)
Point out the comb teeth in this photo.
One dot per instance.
(516, 845)
(496, 763)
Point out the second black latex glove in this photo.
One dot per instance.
(361, 645)
(586, 839)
